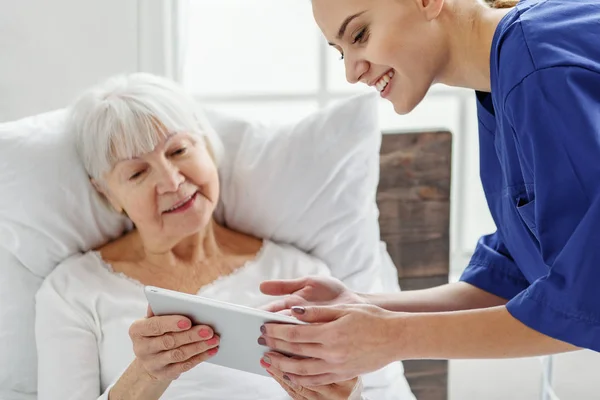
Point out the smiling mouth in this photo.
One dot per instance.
(183, 204)
(382, 83)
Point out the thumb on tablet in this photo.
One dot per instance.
(282, 287)
(317, 313)
(149, 312)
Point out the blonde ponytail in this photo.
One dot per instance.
(502, 3)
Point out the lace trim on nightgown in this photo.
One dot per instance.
(217, 281)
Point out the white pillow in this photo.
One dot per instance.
(48, 209)
(310, 183)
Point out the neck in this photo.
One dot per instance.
(469, 44)
(192, 250)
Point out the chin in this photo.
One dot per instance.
(402, 109)
(193, 224)
(403, 106)
(199, 222)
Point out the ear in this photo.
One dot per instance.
(104, 192)
(431, 8)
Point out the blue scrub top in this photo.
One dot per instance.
(539, 133)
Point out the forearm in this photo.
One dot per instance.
(450, 297)
(471, 334)
(136, 384)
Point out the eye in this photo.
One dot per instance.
(361, 36)
(179, 152)
(136, 175)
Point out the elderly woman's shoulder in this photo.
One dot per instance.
(80, 272)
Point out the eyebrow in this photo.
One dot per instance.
(170, 136)
(166, 140)
(344, 25)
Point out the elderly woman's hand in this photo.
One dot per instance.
(340, 342)
(346, 390)
(312, 290)
(168, 346)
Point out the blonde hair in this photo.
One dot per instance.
(502, 3)
(128, 115)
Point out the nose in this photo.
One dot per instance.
(355, 69)
(169, 178)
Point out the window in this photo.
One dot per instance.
(267, 58)
(241, 48)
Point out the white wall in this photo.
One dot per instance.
(52, 50)
(574, 377)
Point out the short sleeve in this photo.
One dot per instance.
(68, 362)
(555, 116)
(492, 269)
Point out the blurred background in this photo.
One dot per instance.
(263, 59)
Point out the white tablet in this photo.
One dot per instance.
(238, 326)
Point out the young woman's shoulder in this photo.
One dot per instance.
(538, 35)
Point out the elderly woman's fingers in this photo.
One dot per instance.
(296, 392)
(157, 326)
(294, 395)
(339, 390)
(172, 340)
(334, 391)
(313, 380)
(183, 353)
(173, 371)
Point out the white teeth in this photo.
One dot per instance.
(385, 79)
(180, 204)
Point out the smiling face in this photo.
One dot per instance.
(151, 153)
(169, 193)
(396, 46)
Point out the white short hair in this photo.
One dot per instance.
(127, 115)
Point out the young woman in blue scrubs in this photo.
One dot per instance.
(533, 286)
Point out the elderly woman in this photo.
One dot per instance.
(151, 155)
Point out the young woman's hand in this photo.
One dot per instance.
(312, 290)
(168, 346)
(339, 343)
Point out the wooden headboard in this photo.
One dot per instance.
(414, 204)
